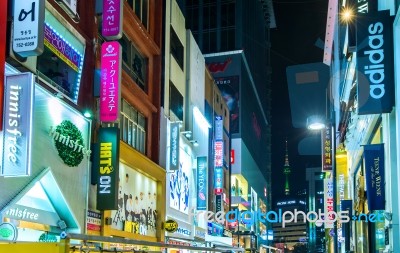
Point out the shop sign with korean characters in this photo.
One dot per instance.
(28, 25)
(110, 92)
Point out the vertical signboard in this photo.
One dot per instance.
(375, 176)
(218, 203)
(108, 169)
(174, 146)
(28, 27)
(218, 155)
(375, 63)
(110, 88)
(329, 202)
(326, 135)
(218, 180)
(112, 19)
(17, 124)
(201, 178)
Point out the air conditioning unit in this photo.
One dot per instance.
(69, 6)
(19, 62)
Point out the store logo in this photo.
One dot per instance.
(215, 67)
(183, 231)
(69, 143)
(8, 232)
(376, 70)
(171, 226)
(110, 51)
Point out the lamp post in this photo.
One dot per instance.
(318, 123)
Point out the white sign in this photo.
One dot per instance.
(28, 27)
(17, 124)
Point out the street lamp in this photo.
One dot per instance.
(318, 123)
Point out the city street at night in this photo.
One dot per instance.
(180, 126)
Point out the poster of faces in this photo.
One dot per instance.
(137, 203)
(178, 184)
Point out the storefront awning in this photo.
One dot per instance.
(42, 201)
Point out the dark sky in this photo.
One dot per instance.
(299, 26)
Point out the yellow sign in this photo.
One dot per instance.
(170, 226)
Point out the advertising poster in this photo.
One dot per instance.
(179, 194)
(201, 183)
(137, 203)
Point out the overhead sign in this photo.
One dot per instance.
(60, 47)
(108, 168)
(17, 124)
(201, 178)
(26, 213)
(110, 88)
(375, 176)
(375, 63)
(28, 24)
(112, 19)
(171, 226)
(174, 146)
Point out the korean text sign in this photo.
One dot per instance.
(110, 88)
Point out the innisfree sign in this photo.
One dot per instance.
(69, 143)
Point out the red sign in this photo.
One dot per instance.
(218, 191)
(232, 156)
(216, 67)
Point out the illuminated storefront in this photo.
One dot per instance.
(52, 196)
(140, 198)
(180, 190)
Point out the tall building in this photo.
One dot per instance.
(286, 172)
(235, 40)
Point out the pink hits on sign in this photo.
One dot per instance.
(110, 88)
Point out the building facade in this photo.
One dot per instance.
(365, 109)
(47, 89)
(234, 36)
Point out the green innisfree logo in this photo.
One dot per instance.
(8, 232)
(69, 143)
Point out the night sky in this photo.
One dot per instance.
(298, 39)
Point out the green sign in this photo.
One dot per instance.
(8, 232)
(107, 159)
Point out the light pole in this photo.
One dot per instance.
(318, 123)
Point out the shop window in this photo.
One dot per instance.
(176, 48)
(176, 101)
(141, 9)
(60, 65)
(133, 127)
(134, 63)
